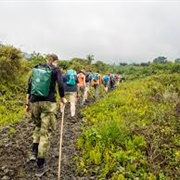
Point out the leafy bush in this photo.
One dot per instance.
(133, 132)
(9, 63)
(11, 104)
(13, 73)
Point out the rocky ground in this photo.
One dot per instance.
(15, 149)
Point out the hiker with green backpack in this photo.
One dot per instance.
(41, 102)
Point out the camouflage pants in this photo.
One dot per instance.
(43, 116)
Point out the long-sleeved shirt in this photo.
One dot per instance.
(56, 78)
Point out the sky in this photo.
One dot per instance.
(112, 31)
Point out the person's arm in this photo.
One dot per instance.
(84, 79)
(27, 99)
(28, 96)
(60, 85)
(77, 81)
(100, 82)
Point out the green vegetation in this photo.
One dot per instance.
(134, 132)
(12, 75)
(11, 104)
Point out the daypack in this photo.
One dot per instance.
(95, 77)
(112, 77)
(105, 78)
(41, 80)
(71, 77)
(81, 79)
(88, 77)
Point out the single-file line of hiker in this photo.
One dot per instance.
(78, 85)
(72, 86)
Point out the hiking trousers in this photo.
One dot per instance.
(43, 116)
(71, 97)
(87, 88)
(81, 93)
(96, 90)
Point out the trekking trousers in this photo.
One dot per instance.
(96, 90)
(71, 97)
(43, 116)
(81, 92)
(87, 88)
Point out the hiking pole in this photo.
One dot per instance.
(60, 143)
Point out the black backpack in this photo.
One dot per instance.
(88, 77)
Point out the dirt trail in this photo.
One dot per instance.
(15, 149)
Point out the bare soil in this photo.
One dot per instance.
(15, 150)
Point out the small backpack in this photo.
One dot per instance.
(105, 78)
(81, 79)
(41, 80)
(88, 77)
(112, 76)
(71, 77)
(95, 77)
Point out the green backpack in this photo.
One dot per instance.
(41, 80)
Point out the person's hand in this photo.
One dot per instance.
(27, 108)
(64, 100)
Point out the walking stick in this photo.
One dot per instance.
(60, 143)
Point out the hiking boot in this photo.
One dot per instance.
(34, 154)
(33, 157)
(41, 171)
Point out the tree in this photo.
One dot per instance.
(9, 63)
(177, 60)
(36, 58)
(64, 64)
(160, 60)
(123, 64)
(100, 66)
(144, 64)
(90, 58)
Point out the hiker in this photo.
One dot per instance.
(112, 81)
(88, 75)
(105, 81)
(81, 86)
(41, 102)
(70, 87)
(95, 82)
(117, 79)
(122, 78)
